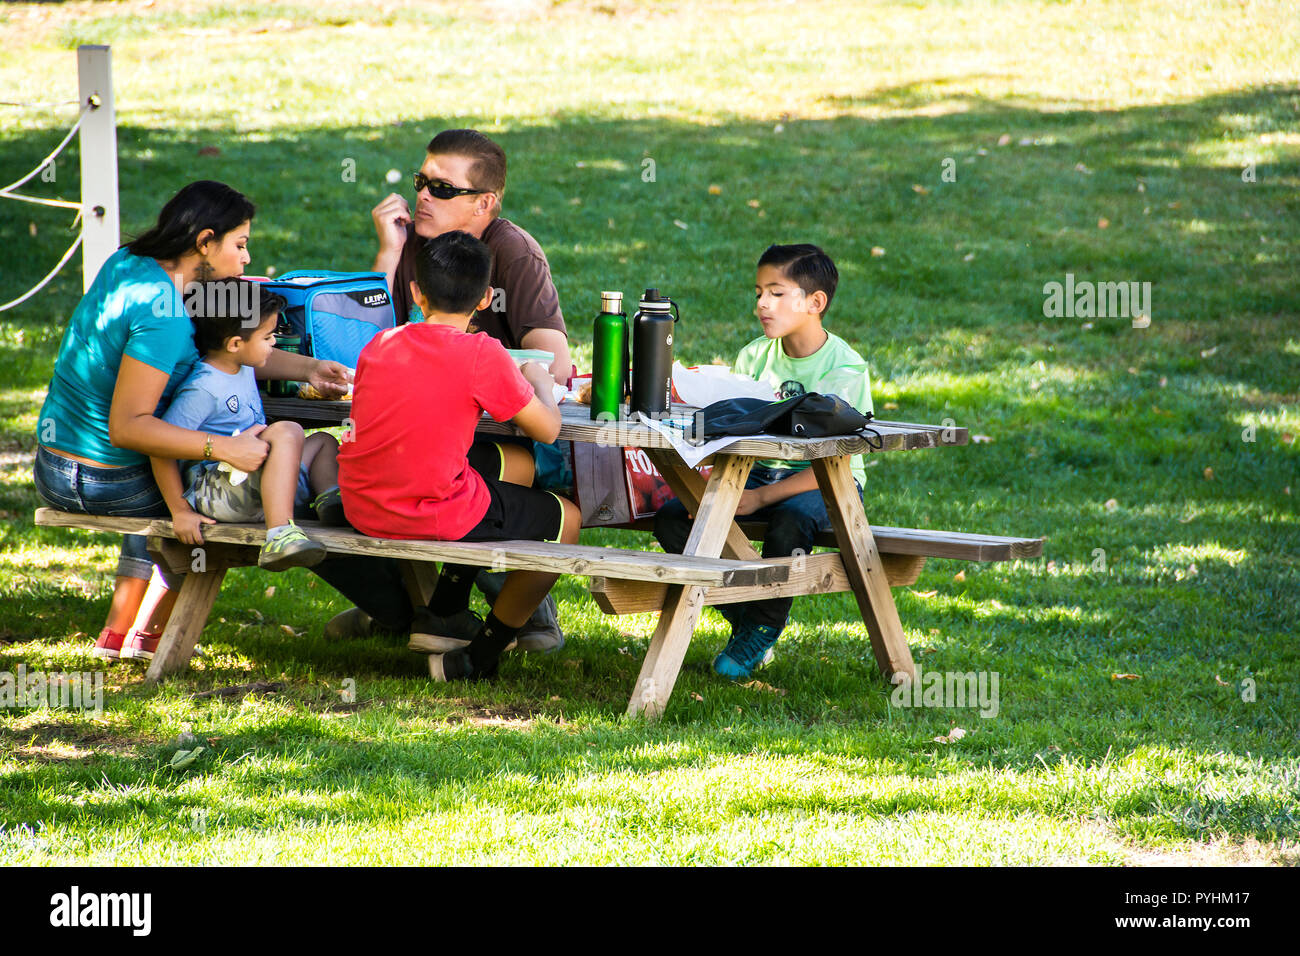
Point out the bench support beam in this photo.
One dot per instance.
(819, 574)
(193, 605)
(709, 535)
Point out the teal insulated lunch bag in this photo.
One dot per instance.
(336, 313)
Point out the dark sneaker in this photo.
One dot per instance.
(291, 549)
(434, 634)
(348, 625)
(329, 508)
(541, 633)
(456, 665)
(749, 649)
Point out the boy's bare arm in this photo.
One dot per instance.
(540, 418)
(185, 520)
(752, 499)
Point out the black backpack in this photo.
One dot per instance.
(810, 415)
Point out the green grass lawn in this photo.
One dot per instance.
(1120, 141)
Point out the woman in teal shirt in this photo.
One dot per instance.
(127, 347)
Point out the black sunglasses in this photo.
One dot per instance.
(440, 190)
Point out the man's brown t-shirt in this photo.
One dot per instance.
(523, 295)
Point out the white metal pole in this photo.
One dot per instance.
(100, 219)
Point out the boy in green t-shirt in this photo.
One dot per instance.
(795, 285)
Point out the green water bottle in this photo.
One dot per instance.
(609, 358)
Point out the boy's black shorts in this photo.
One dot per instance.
(515, 512)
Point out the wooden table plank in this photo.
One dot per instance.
(576, 425)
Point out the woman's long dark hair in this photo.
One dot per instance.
(201, 205)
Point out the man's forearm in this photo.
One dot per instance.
(386, 261)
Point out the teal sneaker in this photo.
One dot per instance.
(290, 549)
(749, 649)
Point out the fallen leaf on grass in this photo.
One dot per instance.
(1004, 139)
(1209, 474)
(877, 251)
(257, 614)
(969, 257)
(759, 685)
(891, 406)
(183, 758)
(925, 594)
(696, 697)
(715, 190)
(951, 737)
(270, 592)
(79, 636)
(1111, 504)
(920, 190)
(680, 225)
(290, 631)
(1054, 748)
(753, 203)
(959, 576)
(1206, 353)
(1221, 682)
(554, 697)
(1103, 223)
(1287, 438)
(980, 439)
(930, 650)
(1125, 676)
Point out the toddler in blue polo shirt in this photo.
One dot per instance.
(234, 330)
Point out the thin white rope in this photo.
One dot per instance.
(44, 282)
(57, 149)
(42, 106)
(60, 203)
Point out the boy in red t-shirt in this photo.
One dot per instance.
(408, 472)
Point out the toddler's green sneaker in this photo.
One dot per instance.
(291, 548)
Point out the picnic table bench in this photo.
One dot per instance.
(719, 564)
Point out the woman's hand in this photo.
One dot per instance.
(245, 451)
(330, 378)
(188, 525)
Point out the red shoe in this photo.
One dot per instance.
(140, 645)
(109, 644)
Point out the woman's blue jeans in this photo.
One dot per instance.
(124, 492)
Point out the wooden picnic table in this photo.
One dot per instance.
(715, 532)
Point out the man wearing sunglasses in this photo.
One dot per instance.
(460, 187)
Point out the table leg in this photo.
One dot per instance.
(193, 605)
(714, 518)
(863, 566)
(688, 485)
